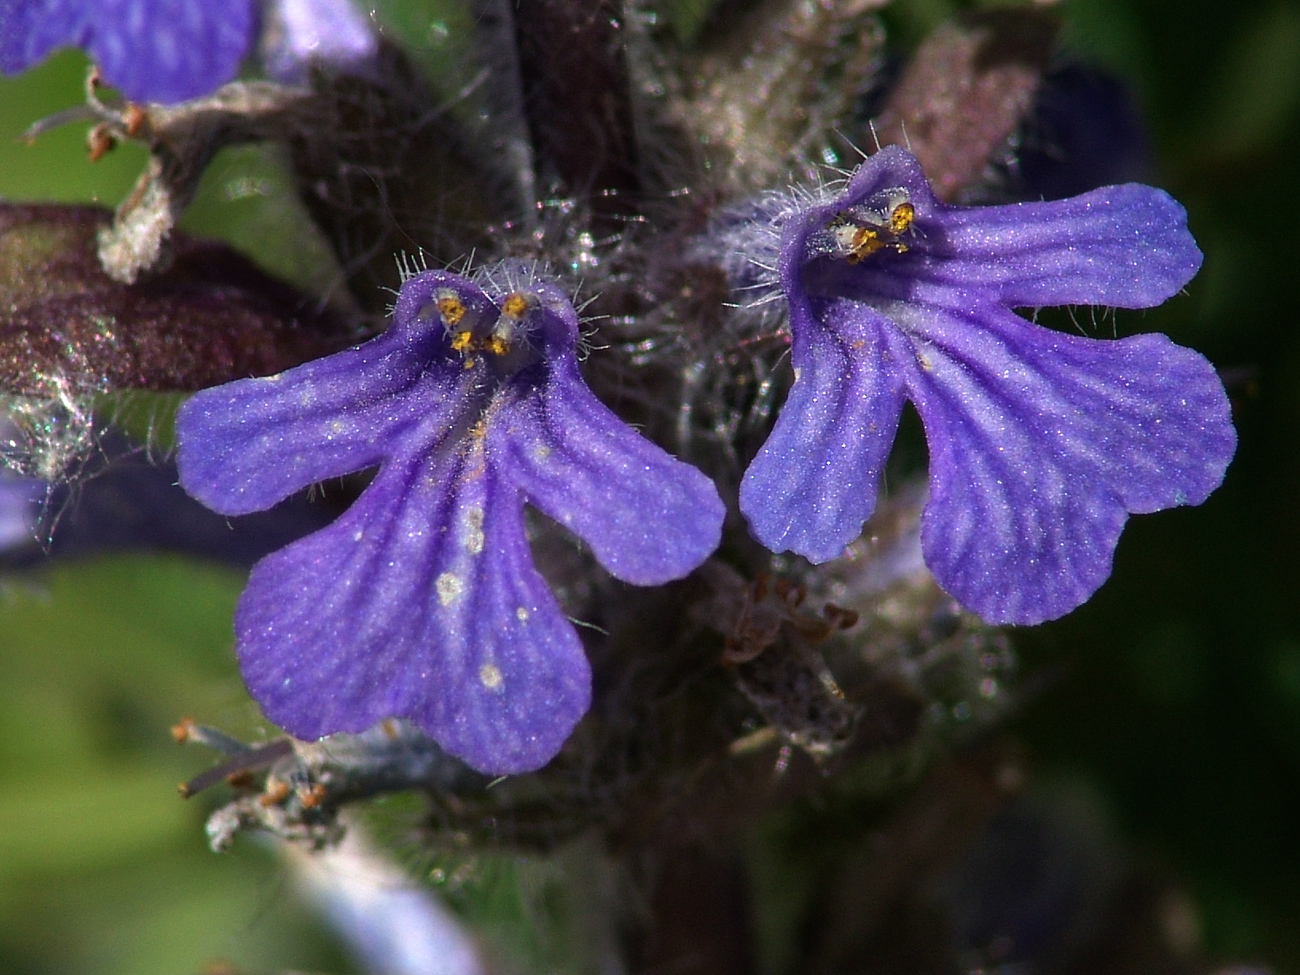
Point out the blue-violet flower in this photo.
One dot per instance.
(299, 34)
(153, 50)
(422, 601)
(173, 50)
(1041, 443)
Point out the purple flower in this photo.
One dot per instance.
(173, 50)
(153, 50)
(20, 509)
(1041, 443)
(302, 33)
(422, 601)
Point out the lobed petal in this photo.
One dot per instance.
(1042, 443)
(421, 602)
(648, 517)
(814, 482)
(31, 29)
(153, 50)
(168, 50)
(334, 34)
(1126, 246)
(246, 445)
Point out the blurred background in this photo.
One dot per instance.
(1175, 703)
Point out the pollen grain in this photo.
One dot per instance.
(515, 305)
(451, 308)
(901, 218)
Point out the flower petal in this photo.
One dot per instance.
(1126, 246)
(168, 50)
(153, 50)
(648, 517)
(1042, 443)
(331, 33)
(246, 445)
(30, 29)
(814, 482)
(433, 612)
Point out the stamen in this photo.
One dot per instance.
(859, 235)
(901, 218)
(865, 242)
(450, 307)
(516, 305)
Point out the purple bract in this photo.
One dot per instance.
(1041, 443)
(422, 601)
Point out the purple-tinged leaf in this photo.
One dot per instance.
(965, 90)
(210, 317)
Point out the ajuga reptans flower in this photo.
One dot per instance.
(422, 601)
(1041, 443)
(154, 50)
(173, 50)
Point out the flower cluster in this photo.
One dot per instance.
(422, 601)
(173, 50)
(1041, 443)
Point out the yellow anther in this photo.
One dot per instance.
(462, 341)
(451, 308)
(901, 218)
(496, 345)
(515, 305)
(857, 238)
(865, 238)
(865, 242)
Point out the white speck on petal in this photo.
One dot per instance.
(473, 537)
(521, 614)
(489, 676)
(449, 588)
